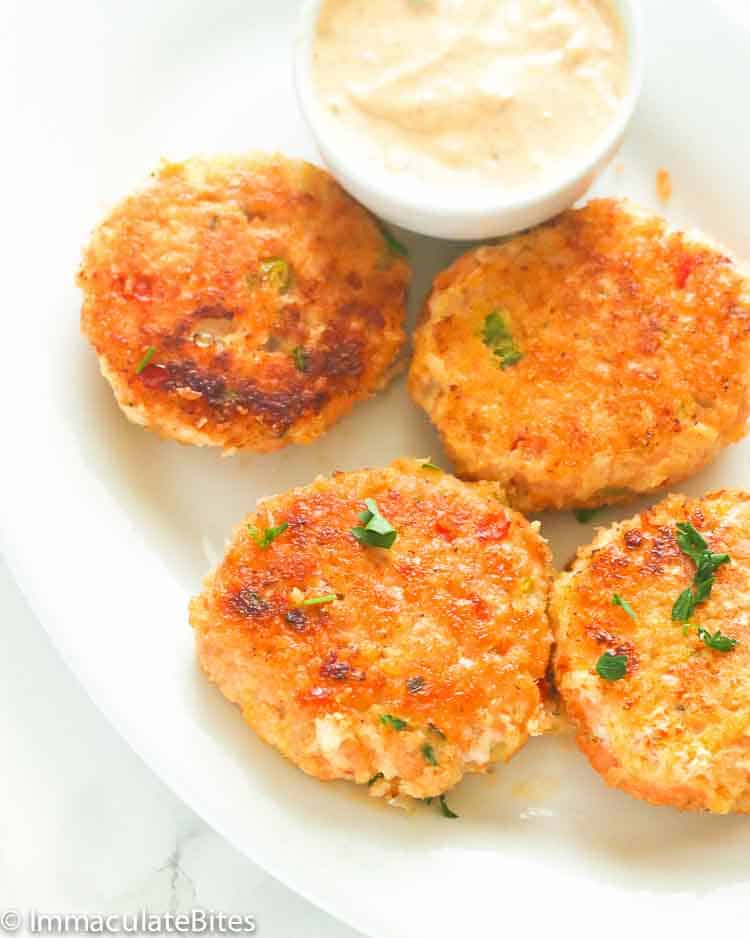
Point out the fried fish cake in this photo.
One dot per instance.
(598, 356)
(662, 707)
(402, 666)
(242, 302)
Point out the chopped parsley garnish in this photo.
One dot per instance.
(717, 641)
(507, 358)
(264, 539)
(497, 337)
(374, 531)
(702, 588)
(691, 542)
(146, 360)
(445, 810)
(695, 547)
(584, 515)
(319, 600)
(431, 466)
(395, 723)
(394, 245)
(429, 754)
(276, 273)
(684, 606)
(612, 667)
(300, 357)
(375, 778)
(617, 600)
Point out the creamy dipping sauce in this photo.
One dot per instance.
(491, 92)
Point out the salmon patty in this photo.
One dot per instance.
(599, 356)
(242, 302)
(652, 625)
(386, 626)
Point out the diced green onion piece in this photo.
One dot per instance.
(319, 600)
(146, 360)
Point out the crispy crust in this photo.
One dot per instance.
(179, 267)
(676, 729)
(447, 630)
(636, 358)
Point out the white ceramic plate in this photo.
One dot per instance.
(109, 530)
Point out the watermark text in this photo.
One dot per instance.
(142, 922)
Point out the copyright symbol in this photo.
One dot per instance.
(10, 921)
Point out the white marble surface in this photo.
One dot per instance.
(85, 826)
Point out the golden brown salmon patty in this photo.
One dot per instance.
(404, 666)
(668, 717)
(598, 356)
(242, 302)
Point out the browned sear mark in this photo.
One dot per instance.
(415, 685)
(249, 604)
(633, 539)
(296, 619)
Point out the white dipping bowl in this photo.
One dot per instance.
(469, 212)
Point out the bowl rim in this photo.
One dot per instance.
(461, 205)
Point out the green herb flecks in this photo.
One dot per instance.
(684, 606)
(612, 667)
(300, 357)
(444, 809)
(693, 545)
(429, 754)
(375, 530)
(497, 337)
(395, 723)
(276, 273)
(717, 641)
(617, 600)
(146, 360)
(264, 539)
(375, 778)
(431, 466)
(691, 542)
(319, 600)
(584, 515)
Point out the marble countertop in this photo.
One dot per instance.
(86, 827)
